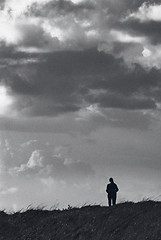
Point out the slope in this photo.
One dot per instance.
(125, 221)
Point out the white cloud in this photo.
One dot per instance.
(35, 162)
(77, 1)
(126, 37)
(5, 100)
(25, 32)
(9, 32)
(52, 163)
(151, 56)
(8, 191)
(147, 12)
(36, 159)
(146, 52)
(17, 8)
(88, 112)
(29, 143)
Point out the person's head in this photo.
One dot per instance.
(111, 180)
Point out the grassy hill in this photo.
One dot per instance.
(125, 221)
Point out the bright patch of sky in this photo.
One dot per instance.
(5, 100)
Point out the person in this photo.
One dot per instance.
(112, 190)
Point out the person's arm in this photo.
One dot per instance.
(107, 188)
(117, 188)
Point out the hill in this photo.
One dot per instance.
(125, 221)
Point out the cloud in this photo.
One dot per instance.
(137, 29)
(66, 81)
(130, 119)
(17, 9)
(46, 25)
(29, 143)
(20, 160)
(8, 191)
(134, 27)
(61, 25)
(49, 26)
(36, 160)
(42, 163)
(61, 7)
(147, 12)
(84, 122)
(68, 56)
(149, 29)
(6, 154)
(35, 37)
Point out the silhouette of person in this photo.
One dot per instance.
(111, 190)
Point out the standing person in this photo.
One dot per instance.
(112, 190)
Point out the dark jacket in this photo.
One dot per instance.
(112, 188)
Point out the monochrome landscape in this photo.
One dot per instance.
(80, 102)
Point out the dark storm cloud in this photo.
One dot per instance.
(61, 7)
(120, 8)
(10, 58)
(116, 100)
(10, 52)
(71, 125)
(63, 81)
(116, 8)
(36, 37)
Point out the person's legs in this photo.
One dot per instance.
(109, 200)
(114, 199)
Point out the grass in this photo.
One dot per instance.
(125, 221)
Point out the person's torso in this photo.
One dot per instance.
(112, 188)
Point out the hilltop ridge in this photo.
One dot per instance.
(125, 221)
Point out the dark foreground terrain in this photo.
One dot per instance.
(128, 221)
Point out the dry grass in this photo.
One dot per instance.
(125, 221)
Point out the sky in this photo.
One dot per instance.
(80, 101)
